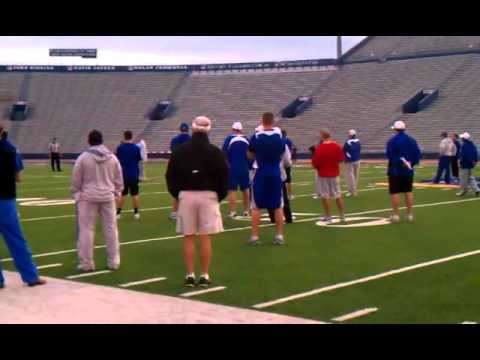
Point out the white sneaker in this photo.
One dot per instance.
(410, 217)
(394, 218)
(278, 240)
(348, 194)
(232, 215)
(246, 214)
(315, 197)
(254, 241)
(136, 216)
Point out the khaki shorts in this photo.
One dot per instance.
(329, 187)
(199, 213)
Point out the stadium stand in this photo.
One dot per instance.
(365, 90)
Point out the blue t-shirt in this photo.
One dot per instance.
(236, 147)
(352, 149)
(402, 146)
(129, 156)
(179, 140)
(268, 146)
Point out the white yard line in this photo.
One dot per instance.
(88, 274)
(364, 279)
(249, 227)
(48, 266)
(468, 323)
(355, 314)
(201, 292)
(141, 282)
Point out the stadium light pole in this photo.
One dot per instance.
(339, 47)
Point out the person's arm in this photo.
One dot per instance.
(287, 158)
(221, 174)
(77, 178)
(316, 159)
(171, 176)
(118, 178)
(341, 155)
(18, 167)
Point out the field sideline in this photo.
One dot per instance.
(421, 272)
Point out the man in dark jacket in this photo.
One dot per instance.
(468, 161)
(11, 166)
(458, 145)
(197, 176)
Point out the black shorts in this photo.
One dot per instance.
(130, 187)
(400, 184)
(288, 170)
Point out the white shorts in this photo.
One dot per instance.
(199, 213)
(329, 187)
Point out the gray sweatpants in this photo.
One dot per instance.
(466, 179)
(352, 171)
(141, 167)
(86, 219)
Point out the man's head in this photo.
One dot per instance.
(202, 124)
(237, 127)
(352, 133)
(183, 127)
(399, 126)
(444, 134)
(95, 138)
(128, 135)
(268, 120)
(455, 136)
(325, 134)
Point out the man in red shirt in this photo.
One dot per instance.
(326, 160)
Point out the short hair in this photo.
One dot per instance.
(268, 118)
(444, 134)
(95, 138)
(128, 135)
(325, 133)
(3, 135)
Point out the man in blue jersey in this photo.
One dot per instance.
(178, 140)
(267, 147)
(11, 167)
(181, 138)
(288, 170)
(129, 155)
(468, 162)
(352, 149)
(235, 147)
(403, 154)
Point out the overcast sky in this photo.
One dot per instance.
(169, 50)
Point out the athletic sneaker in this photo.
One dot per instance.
(327, 219)
(232, 215)
(342, 218)
(410, 217)
(173, 216)
(279, 240)
(190, 281)
(348, 194)
(204, 282)
(254, 241)
(315, 197)
(81, 268)
(246, 214)
(136, 216)
(37, 282)
(394, 218)
(461, 193)
(113, 268)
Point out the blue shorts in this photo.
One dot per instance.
(267, 192)
(238, 180)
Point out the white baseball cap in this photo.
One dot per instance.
(237, 126)
(465, 135)
(202, 124)
(398, 125)
(352, 132)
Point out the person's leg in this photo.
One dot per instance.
(279, 222)
(464, 179)
(439, 171)
(446, 166)
(205, 253)
(287, 212)
(409, 202)
(232, 201)
(110, 234)
(189, 253)
(326, 206)
(473, 181)
(341, 207)
(136, 203)
(255, 222)
(246, 201)
(52, 161)
(58, 163)
(16, 243)
(86, 215)
(350, 177)
(395, 204)
(357, 175)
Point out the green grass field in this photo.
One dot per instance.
(313, 257)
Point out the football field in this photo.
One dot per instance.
(363, 271)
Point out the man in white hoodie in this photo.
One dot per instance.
(96, 181)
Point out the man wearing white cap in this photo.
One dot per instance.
(235, 148)
(352, 149)
(468, 161)
(197, 175)
(403, 154)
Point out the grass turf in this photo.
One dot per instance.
(312, 257)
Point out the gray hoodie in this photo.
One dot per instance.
(97, 176)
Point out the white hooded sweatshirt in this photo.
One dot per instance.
(97, 176)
